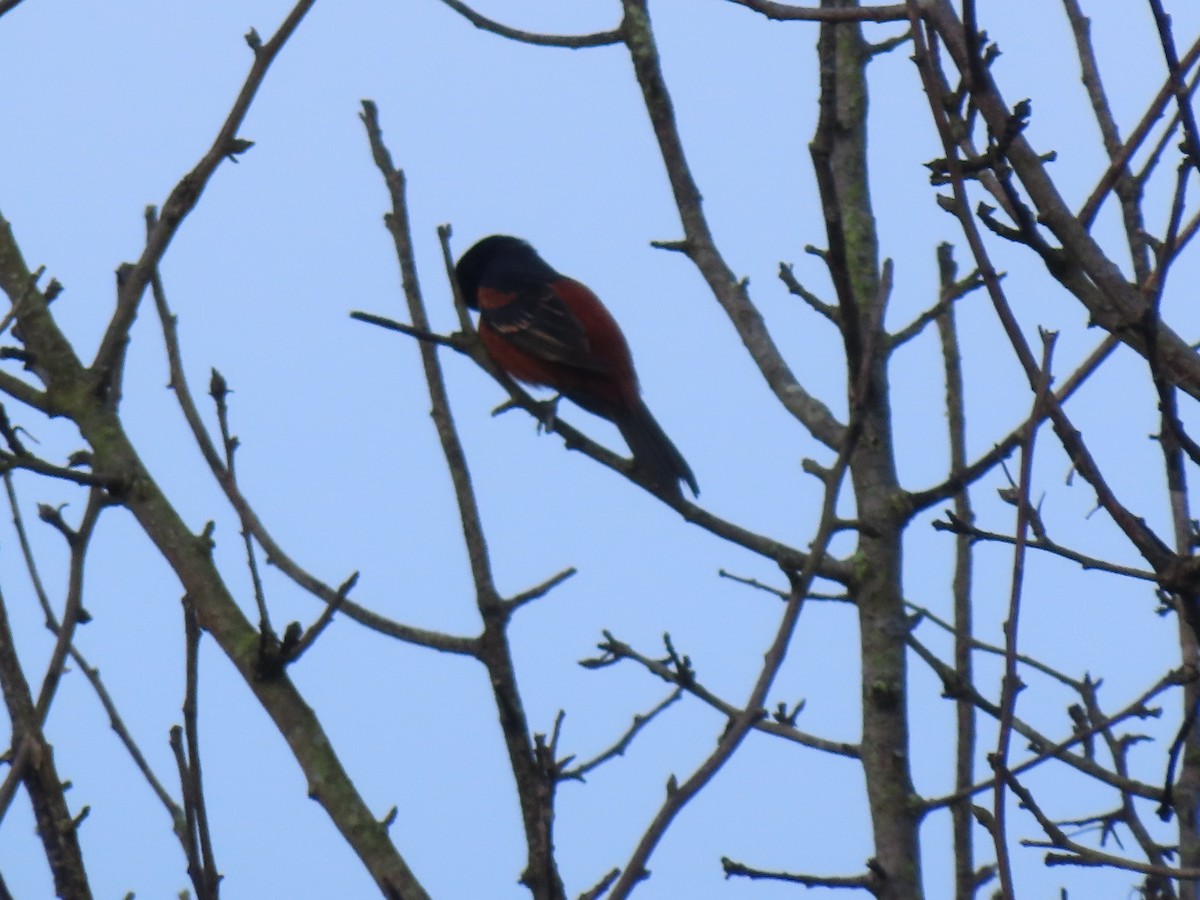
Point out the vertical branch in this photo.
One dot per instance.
(964, 767)
(33, 764)
(219, 391)
(202, 866)
(535, 774)
(839, 153)
(78, 542)
(1171, 438)
(1011, 683)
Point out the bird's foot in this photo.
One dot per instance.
(545, 411)
(547, 414)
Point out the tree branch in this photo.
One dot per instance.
(574, 42)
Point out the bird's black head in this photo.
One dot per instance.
(501, 262)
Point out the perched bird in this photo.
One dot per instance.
(544, 328)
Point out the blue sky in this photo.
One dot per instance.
(107, 105)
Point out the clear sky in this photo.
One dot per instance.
(105, 106)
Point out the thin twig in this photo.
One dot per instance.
(205, 877)
(1044, 748)
(1191, 133)
(785, 12)
(73, 607)
(186, 194)
(1089, 563)
(1120, 160)
(1011, 684)
(293, 653)
(640, 721)
(921, 500)
(614, 650)
(698, 243)
(574, 42)
(1079, 854)
(737, 869)
(33, 766)
(250, 521)
(218, 389)
(964, 640)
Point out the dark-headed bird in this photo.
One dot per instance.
(544, 328)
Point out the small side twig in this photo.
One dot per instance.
(293, 652)
(741, 870)
(640, 721)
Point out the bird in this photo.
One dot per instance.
(544, 328)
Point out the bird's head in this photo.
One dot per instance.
(501, 262)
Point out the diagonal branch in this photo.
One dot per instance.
(1081, 265)
(1186, 115)
(185, 195)
(698, 243)
(250, 521)
(8, 5)
(1166, 564)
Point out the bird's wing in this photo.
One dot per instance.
(537, 321)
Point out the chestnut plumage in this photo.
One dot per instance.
(544, 328)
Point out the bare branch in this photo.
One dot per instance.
(33, 766)
(185, 195)
(1044, 748)
(1120, 160)
(955, 525)
(250, 521)
(640, 721)
(894, 12)
(698, 242)
(949, 294)
(8, 5)
(672, 672)
(1149, 544)
(535, 776)
(1178, 87)
(962, 629)
(202, 867)
(679, 794)
(539, 590)
(291, 653)
(737, 869)
(1011, 683)
(73, 608)
(454, 342)
(574, 42)
(1079, 854)
(828, 310)
(921, 500)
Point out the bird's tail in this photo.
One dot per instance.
(653, 451)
